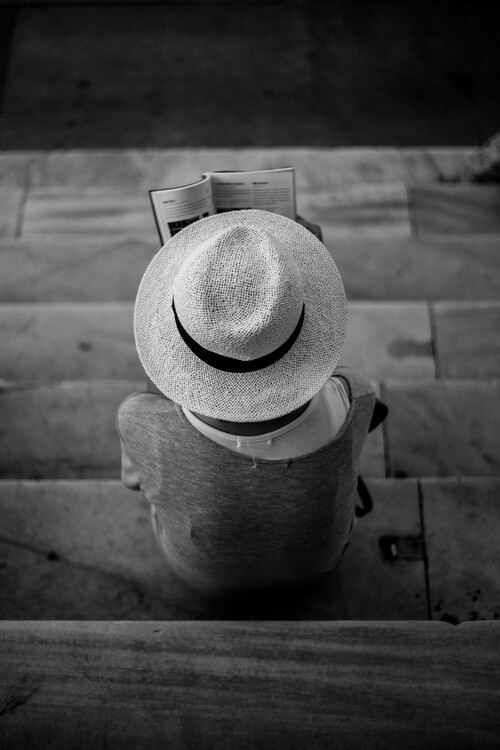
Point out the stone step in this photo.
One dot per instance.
(442, 428)
(61, 429)
(357, 211)
(386, 210)
(71, 268)
(385, 340)
(85, 550)
(11, 204)
(141, 169)
(67, 430)
(250, 684)
(459, 210)
(467, 337)
(84, 341)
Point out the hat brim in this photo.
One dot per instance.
(262, 394)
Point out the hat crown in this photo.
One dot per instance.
(240, 293)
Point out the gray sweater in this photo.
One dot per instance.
(231, 522)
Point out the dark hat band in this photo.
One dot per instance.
(228, 364)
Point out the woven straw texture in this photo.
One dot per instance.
(239, 281)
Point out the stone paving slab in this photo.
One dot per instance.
(88, 213)
(59, 268)
(16, 168)
(263, 684)
(359, 210)
(67, 430)
(84, 341)
(468, 339)
(11, 200)
(69, 342)
(387, 339)
(315, 169)
(85, 550)
(462, 528)
(447, 162)
(63, 270)
(144, 168)
(460, 210)
(61, 430)
(416, 268)
(443, 428)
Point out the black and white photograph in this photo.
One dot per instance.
(249, 375)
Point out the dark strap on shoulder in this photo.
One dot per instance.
(365, 499)
(380, 412)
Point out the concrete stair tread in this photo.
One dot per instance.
(72, 268)
(379, 210)
(11, 203)
(67, 430)
(62, 429)
(440, 428)
(76, 234)
(463, 209)
(388, 339)
(146, 168)
(287, 684)
(91, 544)
(385, 210)
(61, 341)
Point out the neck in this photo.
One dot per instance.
(252, 428)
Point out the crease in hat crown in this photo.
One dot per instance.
(240, 293)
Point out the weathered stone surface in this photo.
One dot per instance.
(69, 342)
(360, 210)
(59, 269)
(84, 341)
(61, 430)
(416, 268)
(437, 209)
(462, 526)
(142, 169)
(468, 339)
(10, 211)
(16, 168)
(88, 213)
(85, 550)
(443, 428)
(389, 340)
(76, 270)
(447, 161)
(275, 684)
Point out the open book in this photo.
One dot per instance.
(267, 189)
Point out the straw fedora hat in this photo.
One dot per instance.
(241, 316)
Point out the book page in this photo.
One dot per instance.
(175, 208)
(268, 190)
